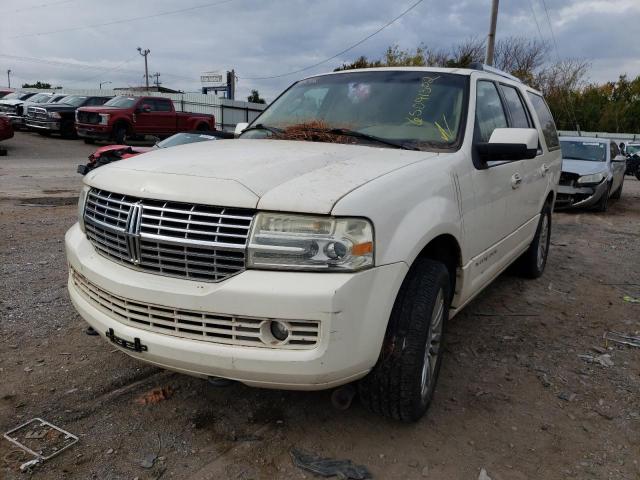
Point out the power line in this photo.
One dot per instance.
(42, 5)
(535, 19)
(124, 20)
(360, 42)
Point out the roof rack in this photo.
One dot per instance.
(486, 68)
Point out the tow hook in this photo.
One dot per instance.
(342, 397)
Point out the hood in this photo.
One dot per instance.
(583, 167)
(100, 108)
(12, 102)
(266, 174)
(57, 107)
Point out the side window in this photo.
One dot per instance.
(163, 105)
(96, 101)
(489, 111)
(519, 116)
(150, 102)
(614, 150)
(546, 121)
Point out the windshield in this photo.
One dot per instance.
(12, 96)
(73, 100)
(122, 102)
(584, 150)
(631, 149)
(55, 99)
(183, 138)
(421, 109)
(40, 98)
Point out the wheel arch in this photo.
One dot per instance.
(445, 248)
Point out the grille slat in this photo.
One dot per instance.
(199, 242)
(211, 327)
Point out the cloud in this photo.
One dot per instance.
(258, 38)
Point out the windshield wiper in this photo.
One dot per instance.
(261, 126)
(354, 133)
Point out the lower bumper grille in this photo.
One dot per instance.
(192, 324)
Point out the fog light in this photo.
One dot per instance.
(279, 331)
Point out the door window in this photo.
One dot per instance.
(517, 110)
(162, 105)
(489, 111)
(546, 121)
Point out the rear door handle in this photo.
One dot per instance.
(516, 180)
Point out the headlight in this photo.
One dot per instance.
(82, 200)
(54, 115)
(299, 242)
(594, 178)
(104, 118)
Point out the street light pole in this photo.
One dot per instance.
(491, 40)
(103, 83)
(144, 53)
(9, 78)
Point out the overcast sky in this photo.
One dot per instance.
(271, 37)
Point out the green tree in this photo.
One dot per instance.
(38, 84)
(255, 97)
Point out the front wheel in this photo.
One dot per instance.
(120, 134)
(533, 261)
(603, 203)
(402, 383)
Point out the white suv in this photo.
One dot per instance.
(331, 242)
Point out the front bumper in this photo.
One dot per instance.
(353, 310)
(16, 120)
(575, 197)
(50, 126)
(99, 132)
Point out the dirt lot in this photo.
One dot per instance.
(516, 394)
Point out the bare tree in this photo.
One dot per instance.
(521, 56)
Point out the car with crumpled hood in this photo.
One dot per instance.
(592, 173)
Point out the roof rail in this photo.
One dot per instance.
(486, 68)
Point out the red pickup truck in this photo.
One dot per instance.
(125, 117)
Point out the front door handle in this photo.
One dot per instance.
(544, 169)
(516, 180)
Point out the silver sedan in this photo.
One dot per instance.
(592, 172)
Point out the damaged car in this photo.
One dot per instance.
(592, 173)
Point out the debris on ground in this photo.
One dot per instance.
(604, 359)
(328, 467)
(483, 475)
(41, 439)
(630, 299)
(621, 338)
(567, 397)
(148, 460)
(154, 396)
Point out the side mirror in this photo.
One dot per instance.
(240, 127)
(509, 144)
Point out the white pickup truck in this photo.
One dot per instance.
(332, 241)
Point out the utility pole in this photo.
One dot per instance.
(491, 40)
(9, 78)
(144, 53)
(157, 79)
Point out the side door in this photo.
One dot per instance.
(488, 223)
(618, 166)
(145, 112)
(165, 117)
(527, 198)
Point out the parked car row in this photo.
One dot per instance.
(99, 117)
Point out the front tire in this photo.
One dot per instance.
(402, 383)
(603, 203)
(533, 261)
(120, 134)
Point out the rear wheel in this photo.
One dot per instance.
(533, 261)
(402, 383)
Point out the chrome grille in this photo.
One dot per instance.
(197, 242)
(88, 117)
(212, 327)
(37, 113)
(568, 178)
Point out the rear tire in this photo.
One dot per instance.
(532, 262)
(402, 383)
(89, 141)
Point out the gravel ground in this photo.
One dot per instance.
(519, 394)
